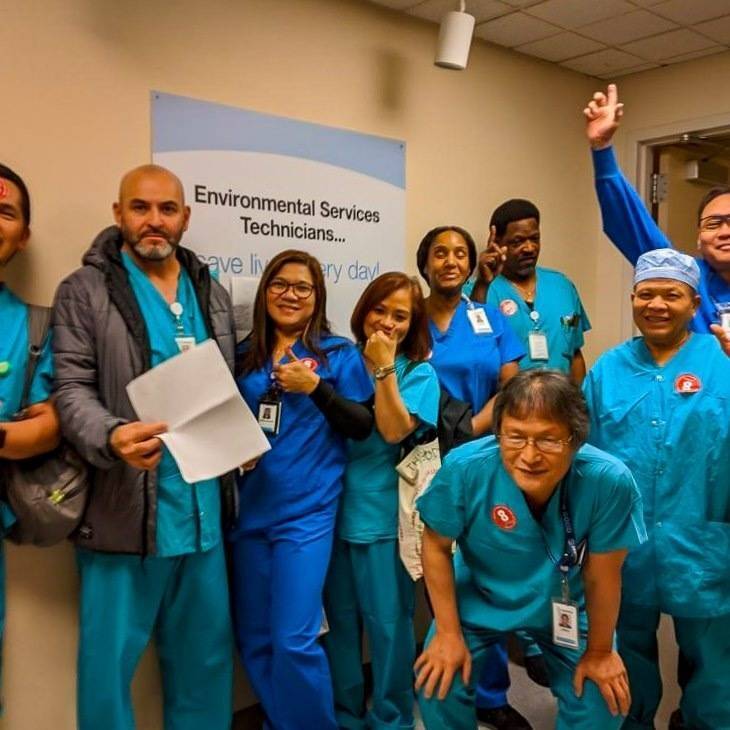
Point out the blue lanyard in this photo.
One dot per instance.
(469, 303)
(571, 556)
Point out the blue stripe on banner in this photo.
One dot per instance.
(180, 124)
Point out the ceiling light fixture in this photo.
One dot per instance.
(454, 41)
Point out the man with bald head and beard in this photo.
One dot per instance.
(149, 548)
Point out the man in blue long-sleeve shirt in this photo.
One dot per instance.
(628, 224)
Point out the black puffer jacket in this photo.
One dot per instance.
(100, 344)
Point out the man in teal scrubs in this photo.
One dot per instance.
(38, 431)
(542, 525)
(150, 549)
(542, 305)
(661, 403)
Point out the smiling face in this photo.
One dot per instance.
(714, 234)
(290, 298)
(447, 264)
(535, 472)
(522, 241)
(663, 309)
(391, 316)
(151, 213)
(14, 231)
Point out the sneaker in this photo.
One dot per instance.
(502, 718)
(676, 721)
(537, 670)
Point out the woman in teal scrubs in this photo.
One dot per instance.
(367, 584)
(311, 392)
(542, 524)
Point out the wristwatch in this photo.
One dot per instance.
(384, 372)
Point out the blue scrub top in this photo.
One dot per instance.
(303, 471)
(14, 352)
(562, 317)
(627, 222)
(188, 515)
(504, 577)
(369, 505)
(677, 444)
(467, 363)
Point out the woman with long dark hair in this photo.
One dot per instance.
(367, 584)
(311, 392)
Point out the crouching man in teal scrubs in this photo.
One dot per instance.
(542, 524)
(149, 548)
(661, 403)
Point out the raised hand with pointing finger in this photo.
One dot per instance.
(489, 266)
(603, 115)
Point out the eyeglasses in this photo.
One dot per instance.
(714, 222)
(546, 444)
(301, 289)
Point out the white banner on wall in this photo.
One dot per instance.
(258, 184)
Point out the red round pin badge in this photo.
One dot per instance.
(503, 517)
(687, 383)
(310, 362)
(508, 307)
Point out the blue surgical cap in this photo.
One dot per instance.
(666, 263)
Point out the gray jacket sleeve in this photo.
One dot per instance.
(85, 421)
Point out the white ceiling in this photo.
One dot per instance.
(604, 38)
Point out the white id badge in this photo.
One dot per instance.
(538, 345)
(184, 343)
(565, 623)
(269, 416)
(479, 321)
(725, 321)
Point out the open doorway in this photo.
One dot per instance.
(681, 171)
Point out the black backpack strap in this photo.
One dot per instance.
(39, 322)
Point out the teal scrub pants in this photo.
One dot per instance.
(368, 588)
(183, 602)
(458, 710)
(705, 646)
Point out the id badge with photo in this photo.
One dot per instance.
(538, 345)
(479, 321)
(269, 416)
(184, 343)
(565, 623)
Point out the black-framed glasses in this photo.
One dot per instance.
(714, 222)
(301, 289)
(546, 444)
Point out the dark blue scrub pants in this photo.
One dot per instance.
(278, 578)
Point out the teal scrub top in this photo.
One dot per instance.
(13, 362)
(369, 503)
(504, 577)
(671, 426)
(188, 515)
(560, 316)
(14, 357)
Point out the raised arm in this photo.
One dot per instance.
(626, 221)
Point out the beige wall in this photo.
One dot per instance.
(76, 82)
